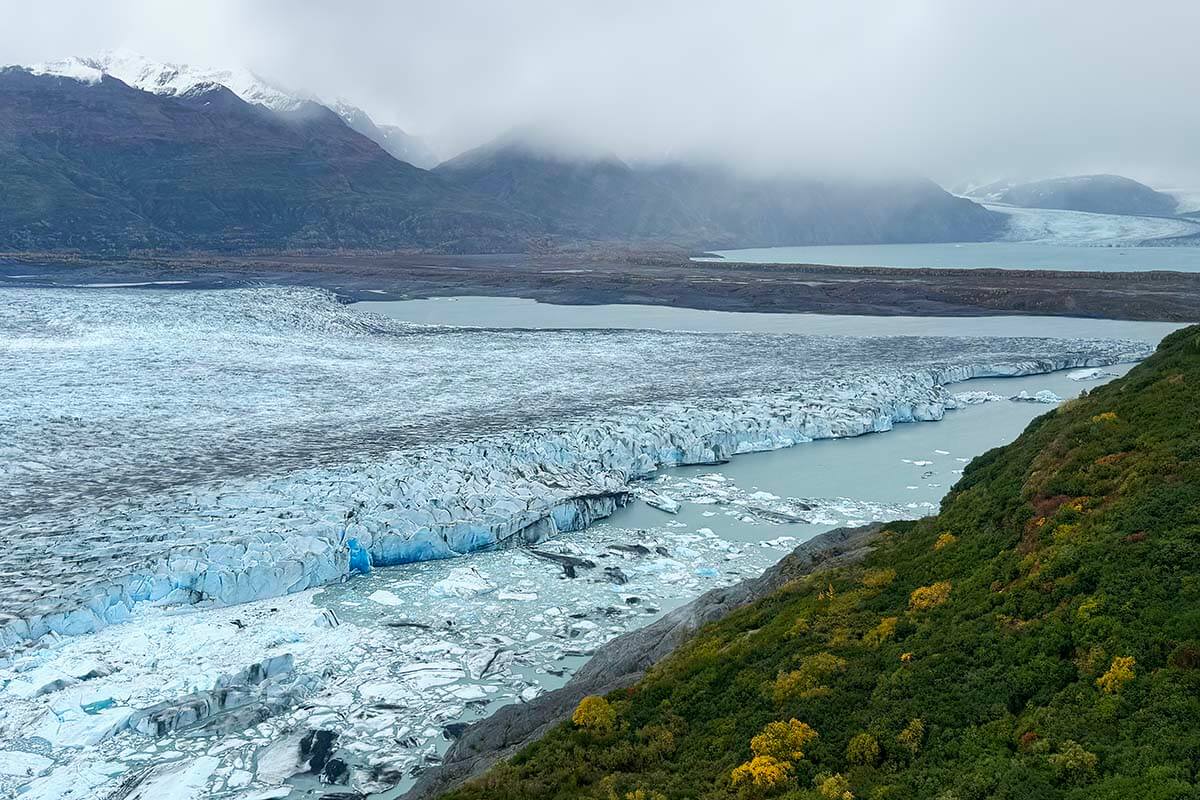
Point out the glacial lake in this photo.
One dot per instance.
(976, 255)
(516, 312)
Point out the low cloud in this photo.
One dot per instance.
(958, 91)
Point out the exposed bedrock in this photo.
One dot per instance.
(247, 540)
(625, 659)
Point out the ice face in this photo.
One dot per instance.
(221, 447)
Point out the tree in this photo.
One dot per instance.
(1073, 764)
(834, 787)
(944, 541)
(911, 737)
(1120, 672)
(762, 772)
(863, 750)
(595, 714)
(784, 741)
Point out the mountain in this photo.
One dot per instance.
(95, 164)
(174, 80)
(1100, 194)
(605, 198)
(391, 138)
(170, 158)
(1038, 638)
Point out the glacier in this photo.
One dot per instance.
(214, 448)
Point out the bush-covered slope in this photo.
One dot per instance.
(1039, 638)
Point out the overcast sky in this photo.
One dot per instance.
(958, 90)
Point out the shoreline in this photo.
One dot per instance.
(652, 278)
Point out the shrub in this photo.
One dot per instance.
(761, 772)
(924, 598)
(911, 737)
(784, 741)
(1073, 764)
(1120, 672)
(863, 750)
(834, 787)
(944, 541)
(878, 578)
(805, 683)
(595, 714)
(882, 632)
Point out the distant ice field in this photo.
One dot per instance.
(1036, 238)
(220, 447)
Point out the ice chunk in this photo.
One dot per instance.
(462, 582)
(1094, 374)
(1044, 396)
(178, 782)
(661, 502)
(16, 763)
(384, 597)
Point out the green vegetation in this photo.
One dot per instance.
(1050, 649)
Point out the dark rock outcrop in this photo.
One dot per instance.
(625, 659)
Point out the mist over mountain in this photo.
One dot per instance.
(92, 163)
(1100, 194)
(607, 198)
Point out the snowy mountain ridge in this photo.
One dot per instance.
(177, 79)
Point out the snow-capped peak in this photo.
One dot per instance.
(166, 78)
(177, 80)
(75, 68)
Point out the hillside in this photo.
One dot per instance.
(604, 198)
(1039, 637)
(1100, 194)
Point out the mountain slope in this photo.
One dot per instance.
(104, 166)
(604, 198)
(1037, 638)
(1099, 194)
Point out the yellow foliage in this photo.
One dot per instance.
(878, 578)
(863, 749)
(835, 787)
(805, 682)
(883, 631)
(1107, 416)
(1120, 672)
(642, 794)
(906, 657)
(924, 598)
(944, 541)
(911, 737)
(784, 741)
(595, 714)
(762, 772)
(1088, 608)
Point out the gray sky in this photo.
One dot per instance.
(959, 89)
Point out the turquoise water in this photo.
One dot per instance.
(977, 255)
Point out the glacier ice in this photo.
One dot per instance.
(193, 448)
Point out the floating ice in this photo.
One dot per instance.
(1044, 396)
(1094, 374)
